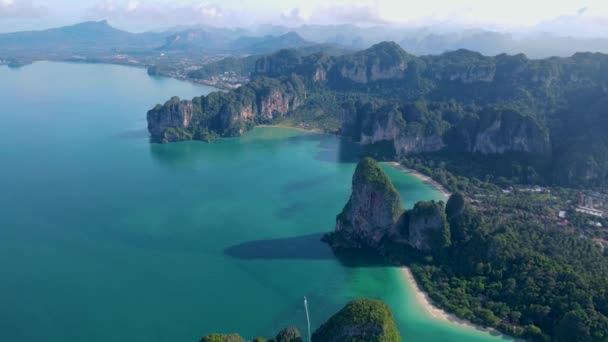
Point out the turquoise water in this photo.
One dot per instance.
(106, 237)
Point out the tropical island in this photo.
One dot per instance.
(518, 247)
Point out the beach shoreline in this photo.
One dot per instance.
(428, 180)
(425, 302)
(422, 298)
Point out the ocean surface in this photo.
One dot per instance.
(106, 237)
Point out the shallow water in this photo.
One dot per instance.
(106, 237)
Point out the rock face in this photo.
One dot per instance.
(373, 217)
(370, 125)
(371, 212)
(225, 114)
(173, 114)
(360, 320)
(383, 61)
(508, 130)
(277, 104)
(426, 227)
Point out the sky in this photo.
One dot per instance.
(581, 18)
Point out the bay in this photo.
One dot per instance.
(107, 237)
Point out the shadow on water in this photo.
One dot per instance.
(307, 247)
(304, 184)
(295, 248)
(290, 210)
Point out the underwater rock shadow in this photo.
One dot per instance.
(307, 247)
(332, 148)
(294, 248)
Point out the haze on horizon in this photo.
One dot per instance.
(576, 18)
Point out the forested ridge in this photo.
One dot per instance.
(547, 115)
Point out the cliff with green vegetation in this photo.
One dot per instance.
(371, 212)
(360, 320)
(545, 114)
(226, 114)
(374, 216)
(426, 228)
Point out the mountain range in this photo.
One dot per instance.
(95, 38)
(541, 121)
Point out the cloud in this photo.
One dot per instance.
(21, 9)
(363, 14)
(586, 22)
(357, 14)
(161, 13)
(559, 16)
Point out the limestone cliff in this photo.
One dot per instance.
(173, 114)
(225, 113)
(383, 61)
(360, 320)
(373, 217)
(426, 227)
(372, 125)
(371, 212)
(511, 131)
(550, 109)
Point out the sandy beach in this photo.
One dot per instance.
(433, 311)
(309, 130)
(446, 194)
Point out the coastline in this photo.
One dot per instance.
(430, 309)
(422, 298)
(428, 180)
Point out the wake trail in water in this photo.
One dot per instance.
(307, 316)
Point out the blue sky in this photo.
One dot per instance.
(571, 17)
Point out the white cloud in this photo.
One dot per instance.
(349, 13)
(576, 17)
(590, 21)
(21, 9)
(358, 13)
(161, 13)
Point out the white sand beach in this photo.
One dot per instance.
(446, 194)
(425, 302)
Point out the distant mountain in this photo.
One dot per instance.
(75, 39)
(99, 39)
(247, 65)
(495, 43)
(425, 41)
(267, 44)
(217, 41)
(198, 40)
